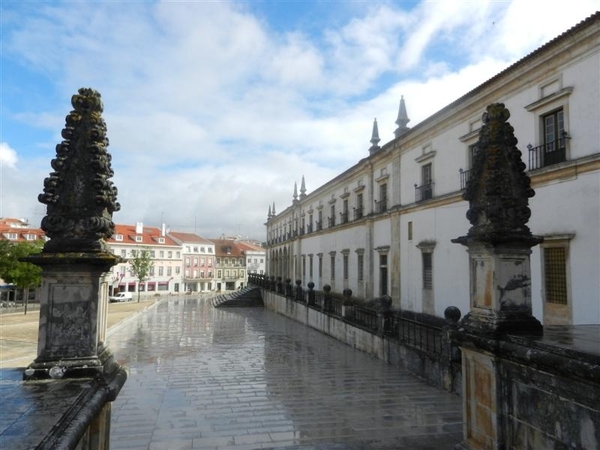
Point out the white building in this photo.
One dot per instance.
(166, 272)
(384, 226)
(198, 261)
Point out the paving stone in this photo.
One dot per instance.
(248, 379)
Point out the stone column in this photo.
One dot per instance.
(75, 261)
(499, 244)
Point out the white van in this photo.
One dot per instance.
(121, 297)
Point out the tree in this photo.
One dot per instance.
(23, 275)
(141, 263)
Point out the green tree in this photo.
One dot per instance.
(141, 264)
(23, 275)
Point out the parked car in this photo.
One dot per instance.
(121, 297)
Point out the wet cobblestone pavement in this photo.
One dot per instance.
(247, 378)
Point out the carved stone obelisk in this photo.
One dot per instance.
(75, 262)
(499, 245)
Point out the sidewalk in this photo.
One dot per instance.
(19, 332)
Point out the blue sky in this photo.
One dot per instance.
(214, 109)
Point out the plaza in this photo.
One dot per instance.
(247, 378)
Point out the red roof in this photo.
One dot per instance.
(189, 237)
(18, 230)
(149, 235)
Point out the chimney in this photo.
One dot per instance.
(139, 228)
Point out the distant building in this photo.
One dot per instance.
(198, 261)
(18, 230)
(255, 257)
(166, 273)
(384, 226)
(232, 259)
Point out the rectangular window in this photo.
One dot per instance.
(319, 220)
(410, 231)
(310, 266)
(161, 254)
(360, 267)
(358, 213)
(169, 271)
(151, 271)
(425, 190)
(332, 217)
(427, 270)
(123, 253)
(177, 270)
(555, 274)
(161, 271)
(320, 266)
(332, 258)
(345, 211)
(218, 274)
(345, 267)
(169, 254)
(303, 266)
(382, 198)
(554, 138)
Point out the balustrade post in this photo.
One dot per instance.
(299, 291)
(288, 287)
(348, 308)
(311, 293)
(326, 298)
(383, 314)
(279, 285)
(273, 284)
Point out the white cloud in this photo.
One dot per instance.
(212, 115)
(8, 157)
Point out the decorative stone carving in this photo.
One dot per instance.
(79, 194)
(499, 190)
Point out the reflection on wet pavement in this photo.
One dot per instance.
(247, 378)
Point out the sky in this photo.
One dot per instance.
(214, 109)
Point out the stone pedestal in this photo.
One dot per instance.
(73, 312)
(500, 289)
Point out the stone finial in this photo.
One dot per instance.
(302, 189)
(295, 197)
(80, 196)
(499, 189)
(269, 213)
(402, 119)
(374, 138)
(273, 210)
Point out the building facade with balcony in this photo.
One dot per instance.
(166, 272)
(198, 261)
(384, 226)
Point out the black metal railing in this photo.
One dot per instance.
(365, 316)
(382, 205)
(417, 334)
(548, 154)
(423, 192)
(331, 221)
(319, 225)
(465, 177)
(358, 213)
(344, 217)
(309, 228)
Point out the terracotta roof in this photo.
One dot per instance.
(227, 247)
(189, 237)
(150, 236)
(247, 246)
(8, 233)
